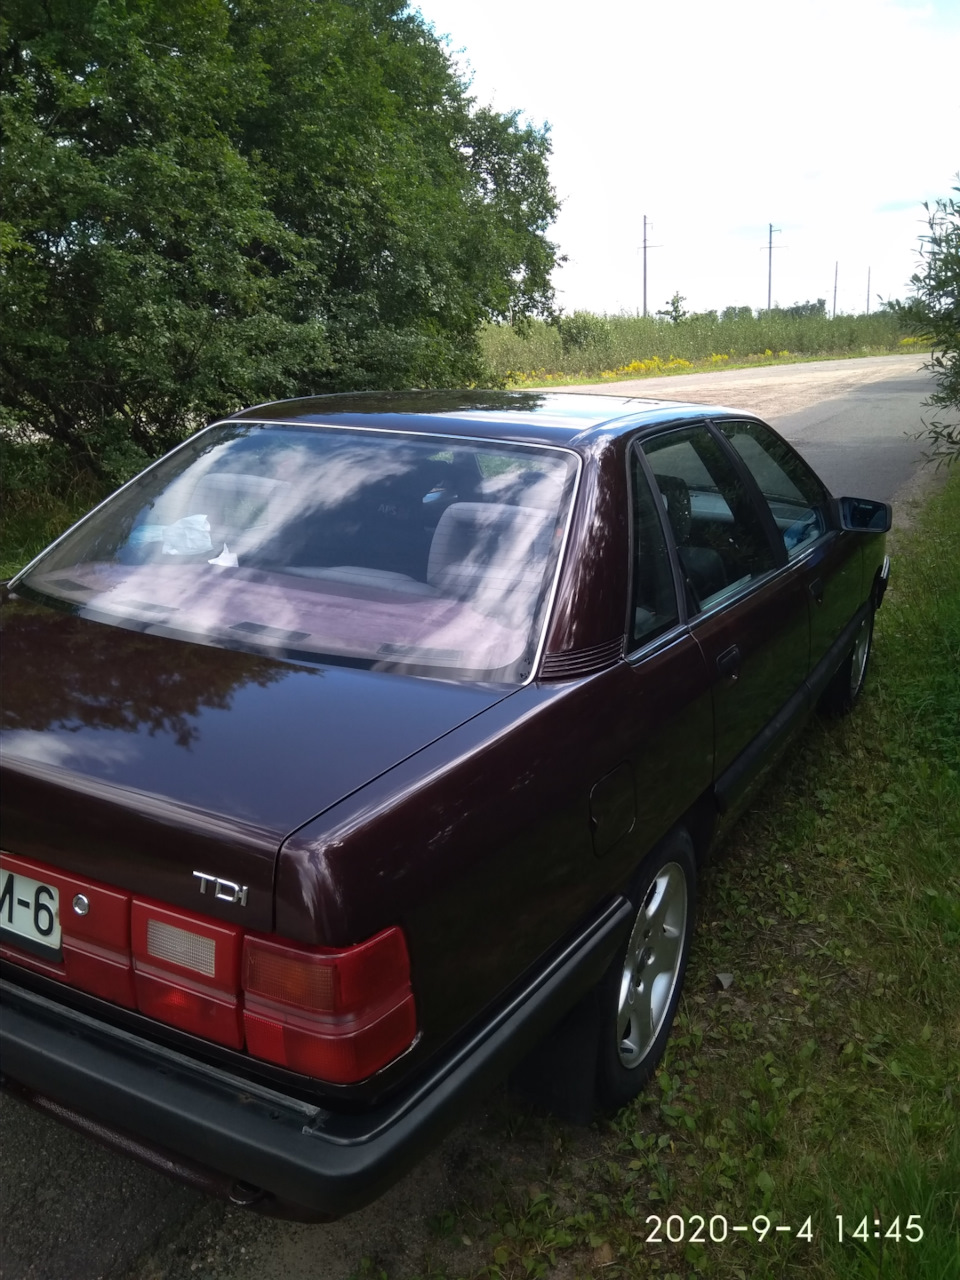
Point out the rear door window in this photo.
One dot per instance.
(654, 594)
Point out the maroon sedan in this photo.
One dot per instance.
(365, 741)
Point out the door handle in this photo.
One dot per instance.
(728, 662)
(816, 590)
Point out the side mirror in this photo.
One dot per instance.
(863, 515)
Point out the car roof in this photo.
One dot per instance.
(532, 417)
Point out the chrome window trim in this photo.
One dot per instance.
(735, 595)
(680, 631)
(807, 548)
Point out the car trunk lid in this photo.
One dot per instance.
(162, 767)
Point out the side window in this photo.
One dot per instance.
(720, 537)
(796, 497)
(654, 595)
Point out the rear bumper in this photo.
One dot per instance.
(263, 1148)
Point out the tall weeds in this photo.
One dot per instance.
(594, 345)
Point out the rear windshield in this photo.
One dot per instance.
(421, 554)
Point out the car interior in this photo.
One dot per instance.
(431, 526)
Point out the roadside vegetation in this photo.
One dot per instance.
(820, 1075)
(933, 314)
(44, 492)
(209, 205)
(588, 347)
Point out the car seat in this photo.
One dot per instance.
(702, 566)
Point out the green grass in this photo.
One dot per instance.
(590, 347)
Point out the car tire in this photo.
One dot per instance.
(847, 683)
(639, 993)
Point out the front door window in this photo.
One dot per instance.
(797, 499)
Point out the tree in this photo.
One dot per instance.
(801, 310)
(674, 309)
(214, 202)
(934, 313)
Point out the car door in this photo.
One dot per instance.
(746, 606)
(828, 560)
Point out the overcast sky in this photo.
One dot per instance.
(832, 119)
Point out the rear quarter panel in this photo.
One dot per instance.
(482, 848)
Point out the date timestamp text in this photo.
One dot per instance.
(696, 1228)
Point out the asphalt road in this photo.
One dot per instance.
(70, 1209)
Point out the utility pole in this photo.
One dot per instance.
(836, 271)
(644, 266)
(868, 290)
(646, 245)
(770, 267)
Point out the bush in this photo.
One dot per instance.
(582, 330)
(934, 314)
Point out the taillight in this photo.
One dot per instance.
(338, 1015)
(94, 933)
(335, 1014)
(186, 970)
